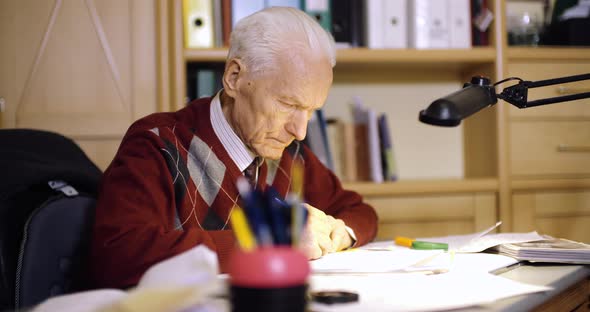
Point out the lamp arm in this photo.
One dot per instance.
(518, 93)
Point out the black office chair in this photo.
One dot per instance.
(47, 197)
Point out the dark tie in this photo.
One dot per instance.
(250, 172)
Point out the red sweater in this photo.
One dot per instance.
(171, 186)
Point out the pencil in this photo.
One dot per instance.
(242, 230)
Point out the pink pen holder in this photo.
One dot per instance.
(268, 279)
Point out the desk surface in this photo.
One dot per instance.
(560, 277)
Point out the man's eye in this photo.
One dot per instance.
(288, 106)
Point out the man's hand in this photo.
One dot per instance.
(323, 234)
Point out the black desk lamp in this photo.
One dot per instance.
(478, 94)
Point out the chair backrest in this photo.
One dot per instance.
(53, 249)
(47, 197)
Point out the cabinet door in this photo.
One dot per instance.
(82, 68)
(550, 148)
(564, 214)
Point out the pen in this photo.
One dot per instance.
(419, 245)
(275, 209)
(253, 208)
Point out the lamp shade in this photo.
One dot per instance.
(451, 109)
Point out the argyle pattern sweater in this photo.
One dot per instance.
(172, 186)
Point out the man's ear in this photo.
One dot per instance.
(234, 71)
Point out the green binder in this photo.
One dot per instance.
(320, 10)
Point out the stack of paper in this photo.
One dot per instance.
(549, 250)
(483, 240)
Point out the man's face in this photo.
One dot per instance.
(272, 109)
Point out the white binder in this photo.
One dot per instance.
(428, 24)
(459, 24)
(386, 24)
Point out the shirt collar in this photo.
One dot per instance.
(236, 149)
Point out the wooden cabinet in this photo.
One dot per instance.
(549, 146)
(85, 69)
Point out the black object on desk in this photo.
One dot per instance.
(331, 297)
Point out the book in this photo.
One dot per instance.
(342, 146)
(361, 142)
(551, 249)
(316, 139)
(325, 140)
(387, 156)
(374, 146)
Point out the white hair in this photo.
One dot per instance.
(258, 38)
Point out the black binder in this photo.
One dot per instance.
(348, 21)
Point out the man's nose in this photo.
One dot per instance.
(297, 125)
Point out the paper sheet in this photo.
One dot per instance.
(372, 261)
(481, 241)
(413, 292)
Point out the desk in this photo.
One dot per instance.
(571, 289)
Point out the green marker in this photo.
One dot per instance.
(429, 245)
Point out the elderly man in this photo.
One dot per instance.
(172, 184)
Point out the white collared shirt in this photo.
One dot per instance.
(236, 149)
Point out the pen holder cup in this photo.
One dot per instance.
(268, 279)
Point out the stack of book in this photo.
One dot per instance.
(361, 150)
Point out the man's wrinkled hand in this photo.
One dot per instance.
(323, 234)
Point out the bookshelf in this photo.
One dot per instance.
(487, 188)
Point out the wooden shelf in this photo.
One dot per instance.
(205, 55)
(404, 56)
(413, 187)
(365, 57)
(548, 53)
(543, 184)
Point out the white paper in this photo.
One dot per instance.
(482, 262)
(481, 241)
(86, 301)
(197, 266)
(414, 292)
(371, 261)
